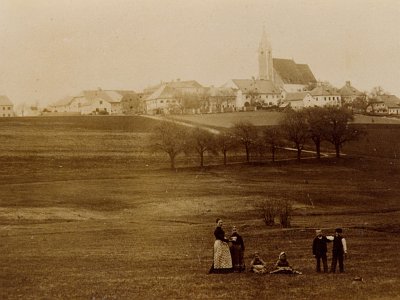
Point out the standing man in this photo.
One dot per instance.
(339, 250)
(319, 249)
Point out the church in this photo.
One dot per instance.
(276, 78)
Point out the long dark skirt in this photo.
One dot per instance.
(237, 254)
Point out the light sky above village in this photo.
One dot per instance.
(52, 49)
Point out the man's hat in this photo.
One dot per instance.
(339, 230)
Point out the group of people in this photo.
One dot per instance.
(229, 254)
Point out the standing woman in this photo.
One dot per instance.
(237, 250)
(222, 256)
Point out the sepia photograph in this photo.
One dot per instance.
(200, 149)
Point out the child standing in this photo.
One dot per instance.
(319, 250)
(339, 250)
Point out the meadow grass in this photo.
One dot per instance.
(89, 224)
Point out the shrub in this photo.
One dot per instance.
(285, 210)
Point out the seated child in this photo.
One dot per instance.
(257, 265)
(282, 266)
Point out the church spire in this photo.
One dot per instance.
(265, 63)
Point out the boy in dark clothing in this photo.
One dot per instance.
(319, 250)
(339, 249)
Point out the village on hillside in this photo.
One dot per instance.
(281, 84)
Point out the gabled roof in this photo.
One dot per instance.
(5, 101)
(184, 84)
(349, 90)
(221, 92)
(107, 95)
(173, 84)
(299, 96)
(163, 92)
(390, 100)
(89, 102)
(258, 86)
(325, 91)
(292, 73)
(64, 101)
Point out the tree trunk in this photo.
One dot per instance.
(298, 152)
(224, 158)
(318, 148)
(172, 157)
(273, 153)
(247, 154)
(201, 159)
(337, 148)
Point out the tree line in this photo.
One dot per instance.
(295, 130)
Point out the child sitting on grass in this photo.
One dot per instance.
(282, 266)
(257, 265)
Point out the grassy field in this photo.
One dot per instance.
(87, 213)
(264, 118)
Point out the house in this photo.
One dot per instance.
(219, 99)
(90, 102)
(392, 104)
(256, 93)
(6, 107)
(167, 97)
(96, 106)
(61, 106)
(377, 106)
(297, 100)
(114, 98)
(349, 93)
(324, 95)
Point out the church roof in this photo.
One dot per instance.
(349, 90)
(4, 100)
(259, 86)
(292, 73)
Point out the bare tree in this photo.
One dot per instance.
(295, 129)
(360, 103)
(201, 141)
(224, 142)
(269, 210)
(246, 134)
(337, 130)
(316, 121)
(273, 139)
(170, 138)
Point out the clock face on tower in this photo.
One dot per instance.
(262, 52)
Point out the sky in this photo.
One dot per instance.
(53, 49)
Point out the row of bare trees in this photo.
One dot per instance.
(295, 130)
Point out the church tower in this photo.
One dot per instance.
(265, 65)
